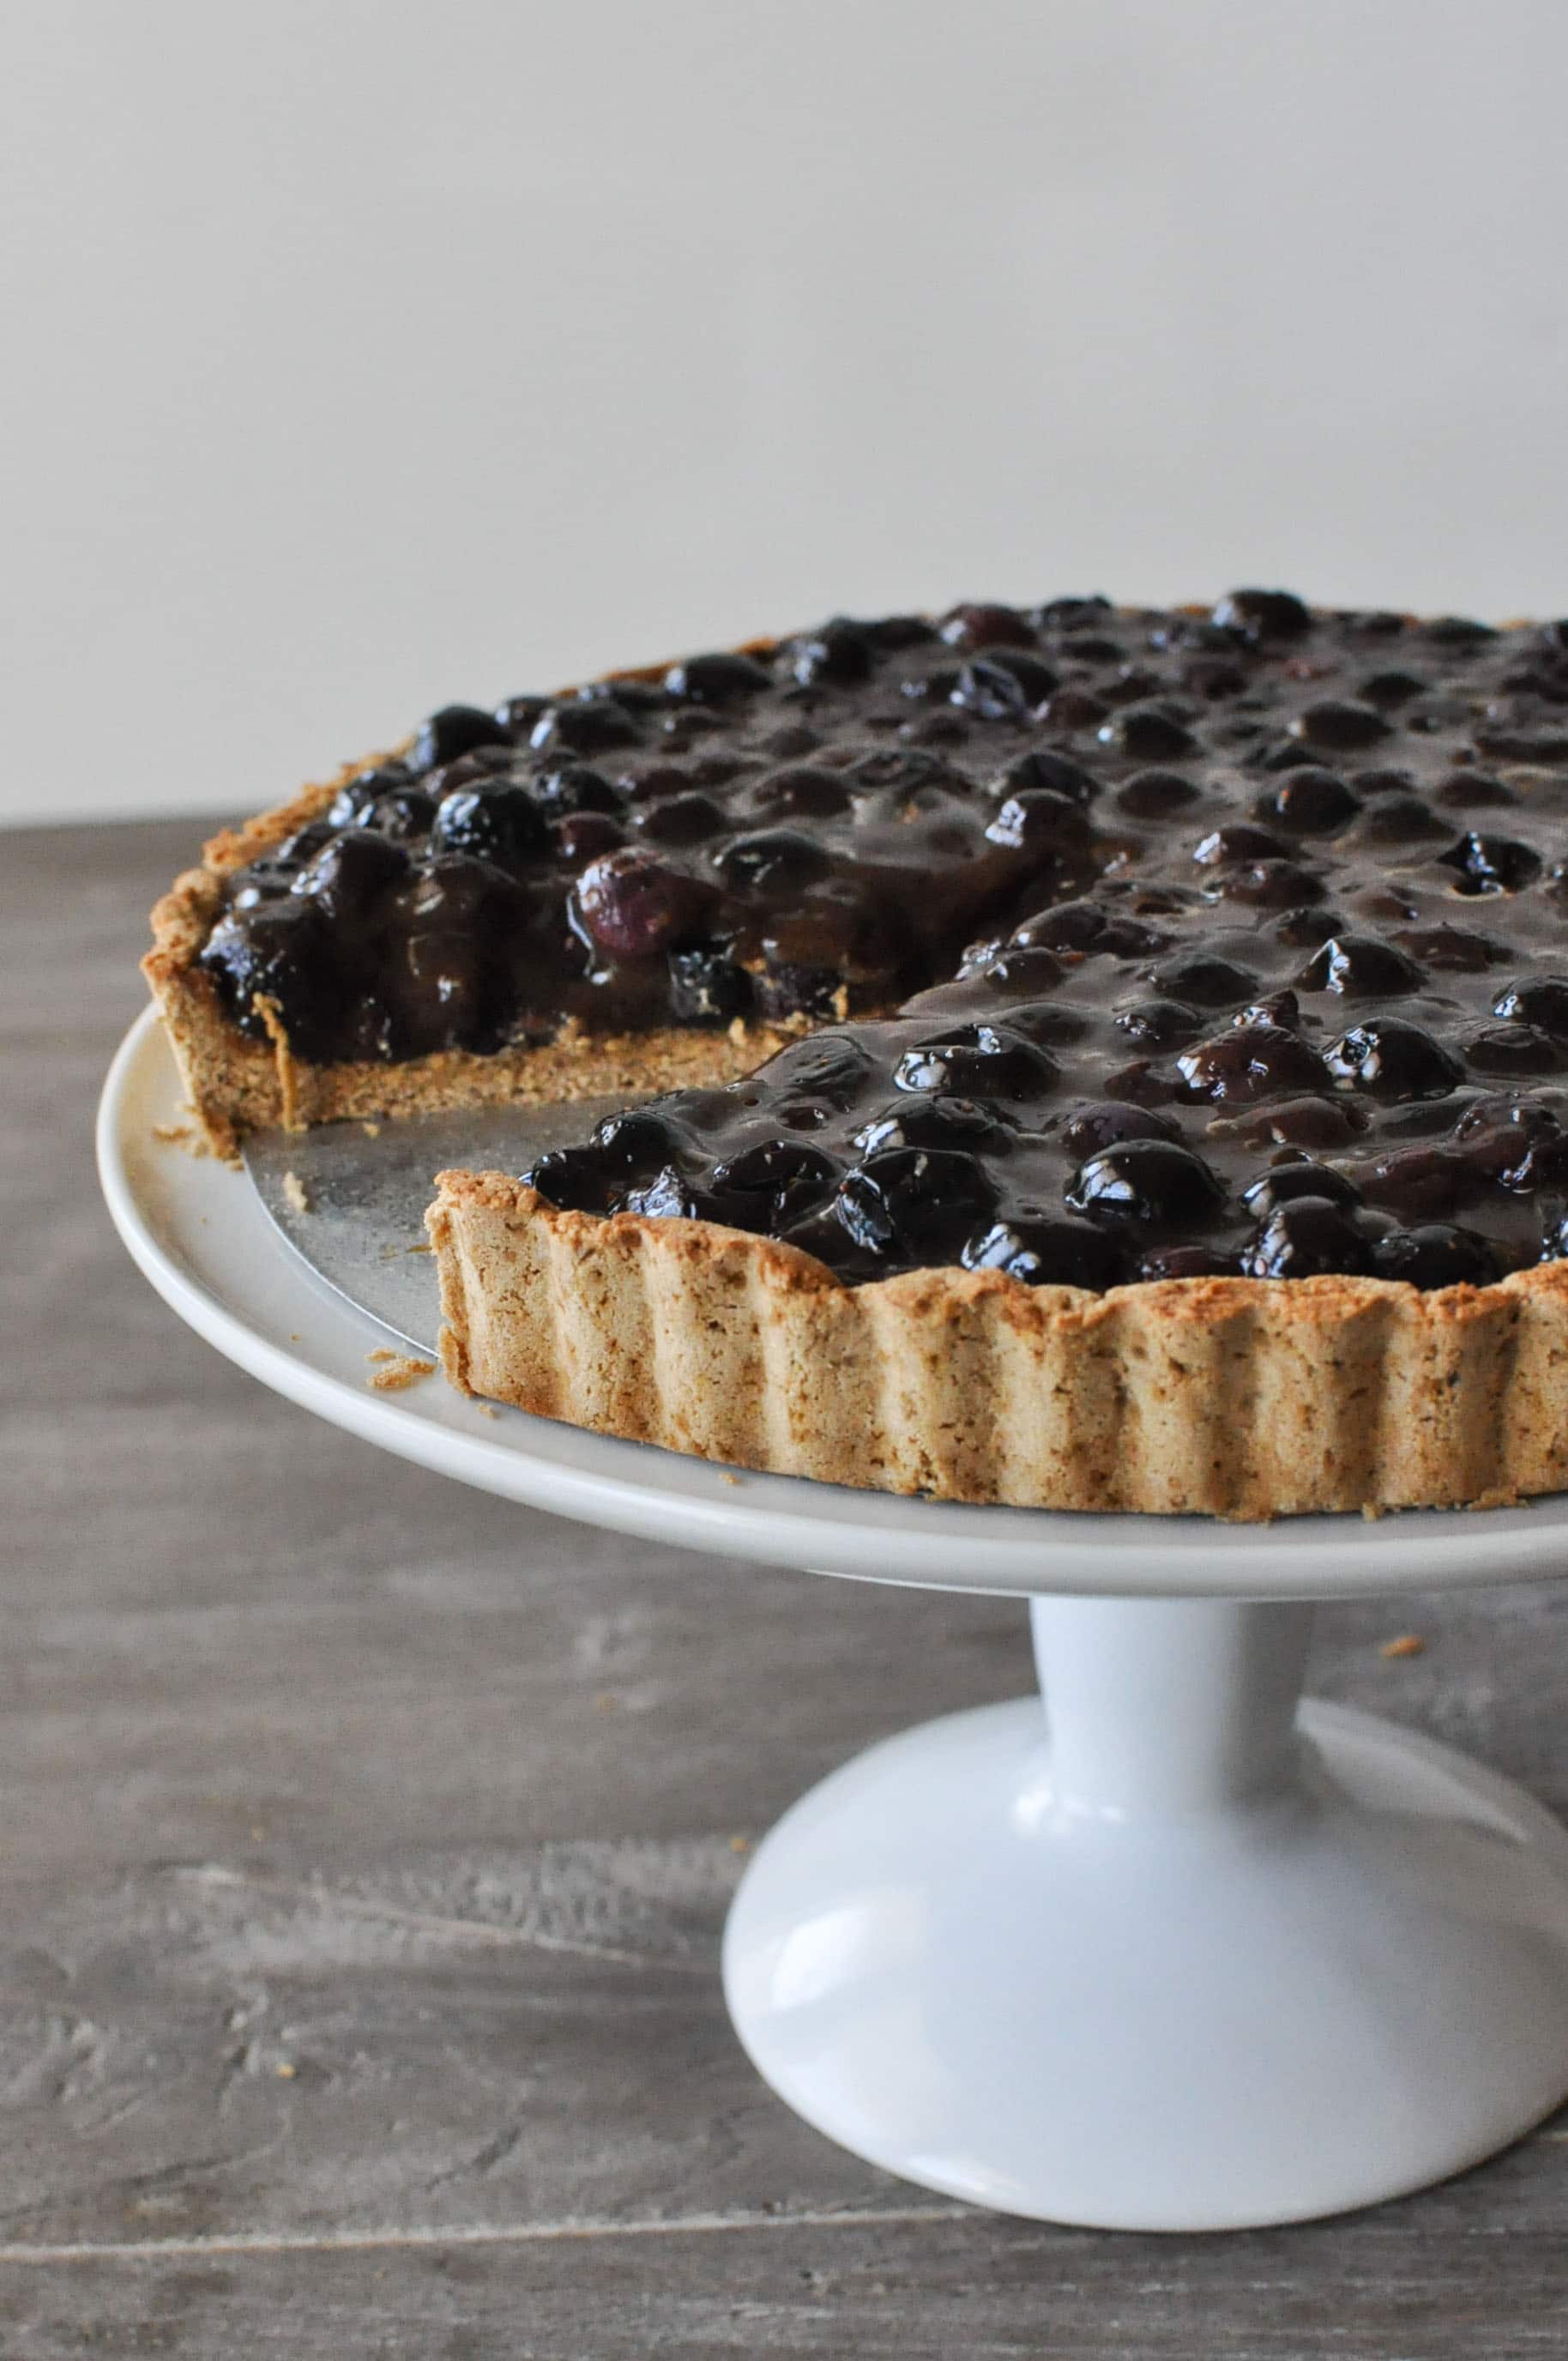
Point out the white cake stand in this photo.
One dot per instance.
(1186, 1955)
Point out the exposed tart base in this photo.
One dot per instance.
(1233, 1398)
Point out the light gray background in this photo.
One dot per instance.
(366, 355)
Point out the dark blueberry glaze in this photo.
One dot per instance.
(1171, 905)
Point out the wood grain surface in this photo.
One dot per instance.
(364, 1844)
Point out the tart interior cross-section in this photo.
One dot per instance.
(1105, 1057)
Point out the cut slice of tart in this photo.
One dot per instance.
(651, 879)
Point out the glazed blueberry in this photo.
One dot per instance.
(1043, 768)
(497, 823)
(1039, 821)
(979, 626)
(841, 654)
(1155, 794)
(1536, 1000)
(1281, 1183)
(1111, 1121)
(904, 1204)
(1147, 733)
(280, 953)
(977, 1061)
(1393, 1059)
(1158, 1024)
(573, 788)
(1311, 803)
(1306, 1237)
(718, 679)
(707, 984)
(1491, 864)
(1252, 1062)
(1340, 724)
(1263, 615)
(1003, 687)
(352, 803)
(1187, 1262)
(789, 1178)
(574, 1179)
(586, 726)
(455, 730)
(1360, 968)
(1150, 1182)
(801, 792)
(771, 860)
(1047, 1250)
(404, 813)
(1207, 981)
(1436, 1254)
(932, 1119)
(633, 905)
(353, 874)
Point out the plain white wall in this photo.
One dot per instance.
(366, 353)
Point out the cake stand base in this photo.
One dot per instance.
(1195, 1960)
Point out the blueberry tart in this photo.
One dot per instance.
(1105, 1058)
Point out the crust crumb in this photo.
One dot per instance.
(1409, 1643)
(486, 1410)
(294, 1194)
(399, 1371)
(371, 1130)
(181, 1135)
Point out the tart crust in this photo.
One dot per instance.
(1233, 1398)
(236, 1084)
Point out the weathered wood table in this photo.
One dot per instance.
(364, 1844)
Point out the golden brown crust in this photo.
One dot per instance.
(1243, 1399)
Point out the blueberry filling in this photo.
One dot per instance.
(1172, 945)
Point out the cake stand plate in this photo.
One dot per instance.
(1172, 1951)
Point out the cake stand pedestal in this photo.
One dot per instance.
(1172, 1951)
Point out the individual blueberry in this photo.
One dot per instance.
(1360, 967)
(581, 836)
(1269, 885)
(442, 990)
(1452, 949)
(680, 819)
(772, 861)
(517, 715)
(401, 813)
(1106, 1122)
(1047, 1250)
(1401, 819)
(914, 1203)
(896, 631)
(707, 985)
(802, 791)
(1003, 687)
(1204, 978)
(1390, 688)
(1042, 768)
(985, 1061)
(1252, 1062)
(932, 1119)
(1152, 1182)
(1089, 927)
(573, 788)
(574, 1179)
(500, 823)
(1157, 1024)
(584, 726)
(1262, 615)
(636, 1141)
(718, 679)
(839, 655)
(1147, 733)
(1039, 821)
(1457, 631)
(1306, 1237)
(456, 730)
(1311, 803)
(1536, 1000)
(668, 1196)
(1237, 841)
(634, 905)
(1340, 724)
(1420, 1181)
(1393, 1059)
(1013, 970)
(281, 952)
(356, 799)
(1436, 1254)
(980, 626)
(1491, 864)
(353, 874)
(1155, 794)
(1516, 1048)
(1281, 1183)
(832, 1066)
(787, 1177)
